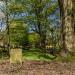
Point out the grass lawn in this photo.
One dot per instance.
(35, 54)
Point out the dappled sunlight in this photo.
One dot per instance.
(37, 55)
(37, 37)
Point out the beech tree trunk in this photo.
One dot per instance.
(73, 9)
(68, 37)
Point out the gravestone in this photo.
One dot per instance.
(16, 55)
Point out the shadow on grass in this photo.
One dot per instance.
(45, 56)
(37, 55)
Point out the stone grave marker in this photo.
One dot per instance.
(16, 55)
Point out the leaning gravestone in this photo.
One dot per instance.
(16, 55)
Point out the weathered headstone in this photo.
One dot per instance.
(16, 55)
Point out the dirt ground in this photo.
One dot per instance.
(37, 68)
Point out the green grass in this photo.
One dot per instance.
(69, 58)
(36, 54)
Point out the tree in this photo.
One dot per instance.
(18, 33)
(18, 27)
(73, 10)
(68, 40)
(33, 39)
(38, 12)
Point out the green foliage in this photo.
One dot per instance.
(37, 18)
(15, 7)
(33, 38)
(35, 54)
(39, 12)
(18, 33)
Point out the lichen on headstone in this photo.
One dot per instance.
(16, 55)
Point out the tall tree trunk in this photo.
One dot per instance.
(73, 10)
(42, 40)
(7, 27)
(42, 34)
(67, 25)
